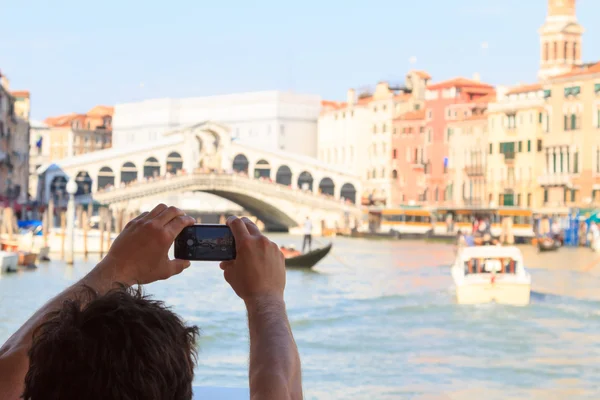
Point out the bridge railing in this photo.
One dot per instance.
(216, 181)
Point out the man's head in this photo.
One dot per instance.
(121, 345)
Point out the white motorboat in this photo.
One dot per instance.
(8, 262)
(486, 274)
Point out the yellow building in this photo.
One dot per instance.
(572, 146)
(467, 151)
(515, 147)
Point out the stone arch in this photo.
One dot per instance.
(129, 172)
(174, 162)
(84, 183)
(58, 186)
(305, 181)
(106, 177)
(151, 167)
(326, 186)
(262, 169)
(241, 163)
(284, 175)
(348, 192)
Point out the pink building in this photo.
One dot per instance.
(408, 158)
(445, 102)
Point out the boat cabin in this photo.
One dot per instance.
(491, 260)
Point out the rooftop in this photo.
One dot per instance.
(586, 69)
(525, 89)
(20, 93)
(460, 83)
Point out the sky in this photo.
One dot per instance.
(73, 55)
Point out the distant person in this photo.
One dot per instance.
(595, 233)
(556, 230)
(102, 339)
(307, 235)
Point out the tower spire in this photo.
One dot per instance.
(560, 39)
(561, 8)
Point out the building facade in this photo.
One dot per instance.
(572, 144)
(14, 145)
(516, 126)
(270, 120)
(39, 151)
(467, 160)
(408, 163)
(445, 102)
(359, 134)
(75, 134)
(20, 144)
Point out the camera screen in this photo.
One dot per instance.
(205, 243)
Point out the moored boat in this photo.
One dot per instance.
(8, 262)
(548, 244)
(486, 274)
(308, 260)
(27, 259)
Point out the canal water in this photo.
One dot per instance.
(378, 320)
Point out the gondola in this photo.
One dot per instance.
(308, 260)
(548, 244)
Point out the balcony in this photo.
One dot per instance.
(554, 180)
(475, 170)
(418, 164)
(509, 157)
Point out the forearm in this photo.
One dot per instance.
(102, 278)
(274, 361)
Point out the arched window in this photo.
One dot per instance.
(394, 174)
(574, 51)
(546, 51)
(566, 50)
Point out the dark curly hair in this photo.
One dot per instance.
(120, 346)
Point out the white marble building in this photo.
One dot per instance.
(270, 120)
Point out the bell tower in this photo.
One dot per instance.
(560, 39)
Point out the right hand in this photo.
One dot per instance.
(140, 253)
(259, 267)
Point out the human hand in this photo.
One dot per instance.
(259, 267)
(139, 254)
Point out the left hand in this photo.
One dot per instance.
(139, 255)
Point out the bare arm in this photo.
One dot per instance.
(258, 277)
(138, 255)
(274, 361)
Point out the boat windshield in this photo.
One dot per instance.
(490, 265)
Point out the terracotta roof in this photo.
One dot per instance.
(578, 71)
(332, 105)
(100, 111)
(20, 93)
(459, 83)
(62, 120)
(412, 116)
(525, 89)
(422, 74)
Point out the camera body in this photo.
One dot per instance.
(205, 242)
